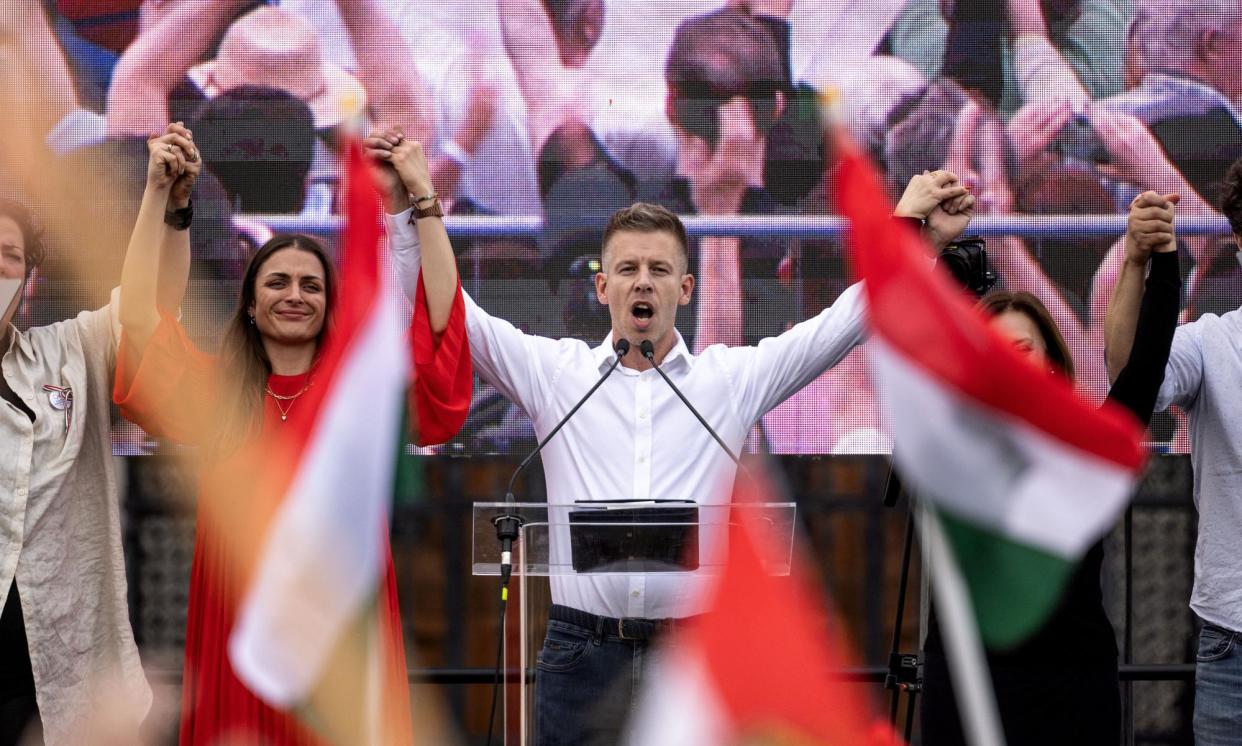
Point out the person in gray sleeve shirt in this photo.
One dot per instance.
(1201, 377)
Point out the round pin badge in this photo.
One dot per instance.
(60, 400)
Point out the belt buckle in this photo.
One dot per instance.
(621, 630)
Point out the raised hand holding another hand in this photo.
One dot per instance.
(1149, 227)
(173, 164)
(378, 147)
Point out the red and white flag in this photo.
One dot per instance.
(760, 666)
(1020, 474)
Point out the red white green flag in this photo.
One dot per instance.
(1025, 474)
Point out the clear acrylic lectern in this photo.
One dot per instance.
(664, 552)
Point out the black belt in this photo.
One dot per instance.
(632, 628)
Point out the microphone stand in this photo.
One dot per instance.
(903, 668)
(509, 523)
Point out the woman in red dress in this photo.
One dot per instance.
(227, 403)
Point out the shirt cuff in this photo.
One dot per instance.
(77, 129)
(403, 234)
(1040, 69)
(406, 250)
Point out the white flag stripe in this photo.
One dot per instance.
(322, 558)
(680, 706)
(996, 470)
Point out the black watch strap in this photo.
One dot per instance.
(180, 219)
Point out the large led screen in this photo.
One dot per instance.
(542, 117)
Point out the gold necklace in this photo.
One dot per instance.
(284, 411)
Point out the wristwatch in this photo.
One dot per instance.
(432, 210)
(180, 219)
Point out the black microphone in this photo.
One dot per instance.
(648, 351)
(507, 524)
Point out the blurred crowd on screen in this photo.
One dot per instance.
(570, 109)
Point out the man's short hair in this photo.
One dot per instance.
(1231, 197)
(920, 131)
(718, 56)
(1168, 33)
(32, 234)
(259, 142)
(644, 217)
(565, 13)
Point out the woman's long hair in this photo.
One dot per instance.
(994, 304)
(244, 364)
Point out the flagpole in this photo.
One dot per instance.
(972, 682)
(373, 703)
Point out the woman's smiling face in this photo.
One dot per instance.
(290, 297)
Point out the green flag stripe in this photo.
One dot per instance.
(408, 480)
(1014, 587)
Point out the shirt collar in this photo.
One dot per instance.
(604, 353)
(14, 334)
(1180, 84)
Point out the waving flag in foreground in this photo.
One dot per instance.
(1026, 474)
(323, 557)
(1022, 474)
(758, 667)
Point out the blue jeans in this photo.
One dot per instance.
(585, 685)
(1218, 688)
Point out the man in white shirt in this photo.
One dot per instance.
(633, 439)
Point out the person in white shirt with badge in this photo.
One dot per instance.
(68, 661)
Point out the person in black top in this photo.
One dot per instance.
(1060, 685)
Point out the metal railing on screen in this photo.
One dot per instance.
(779, 226)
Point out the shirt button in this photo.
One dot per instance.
(642, 459)
(636, 594)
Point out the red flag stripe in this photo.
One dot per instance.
(925, 318)
(768, 653)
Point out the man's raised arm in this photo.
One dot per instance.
(1149, 228)
(543, 78)
(518, 365)
(159, 58)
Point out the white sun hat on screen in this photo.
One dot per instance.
(275, 48)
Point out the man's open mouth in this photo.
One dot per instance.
(642, 310)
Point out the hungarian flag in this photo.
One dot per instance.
(324, 552)
(760, 666)
(1024, 474)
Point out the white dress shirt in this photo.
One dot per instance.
(633, 439)
(60, 526)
